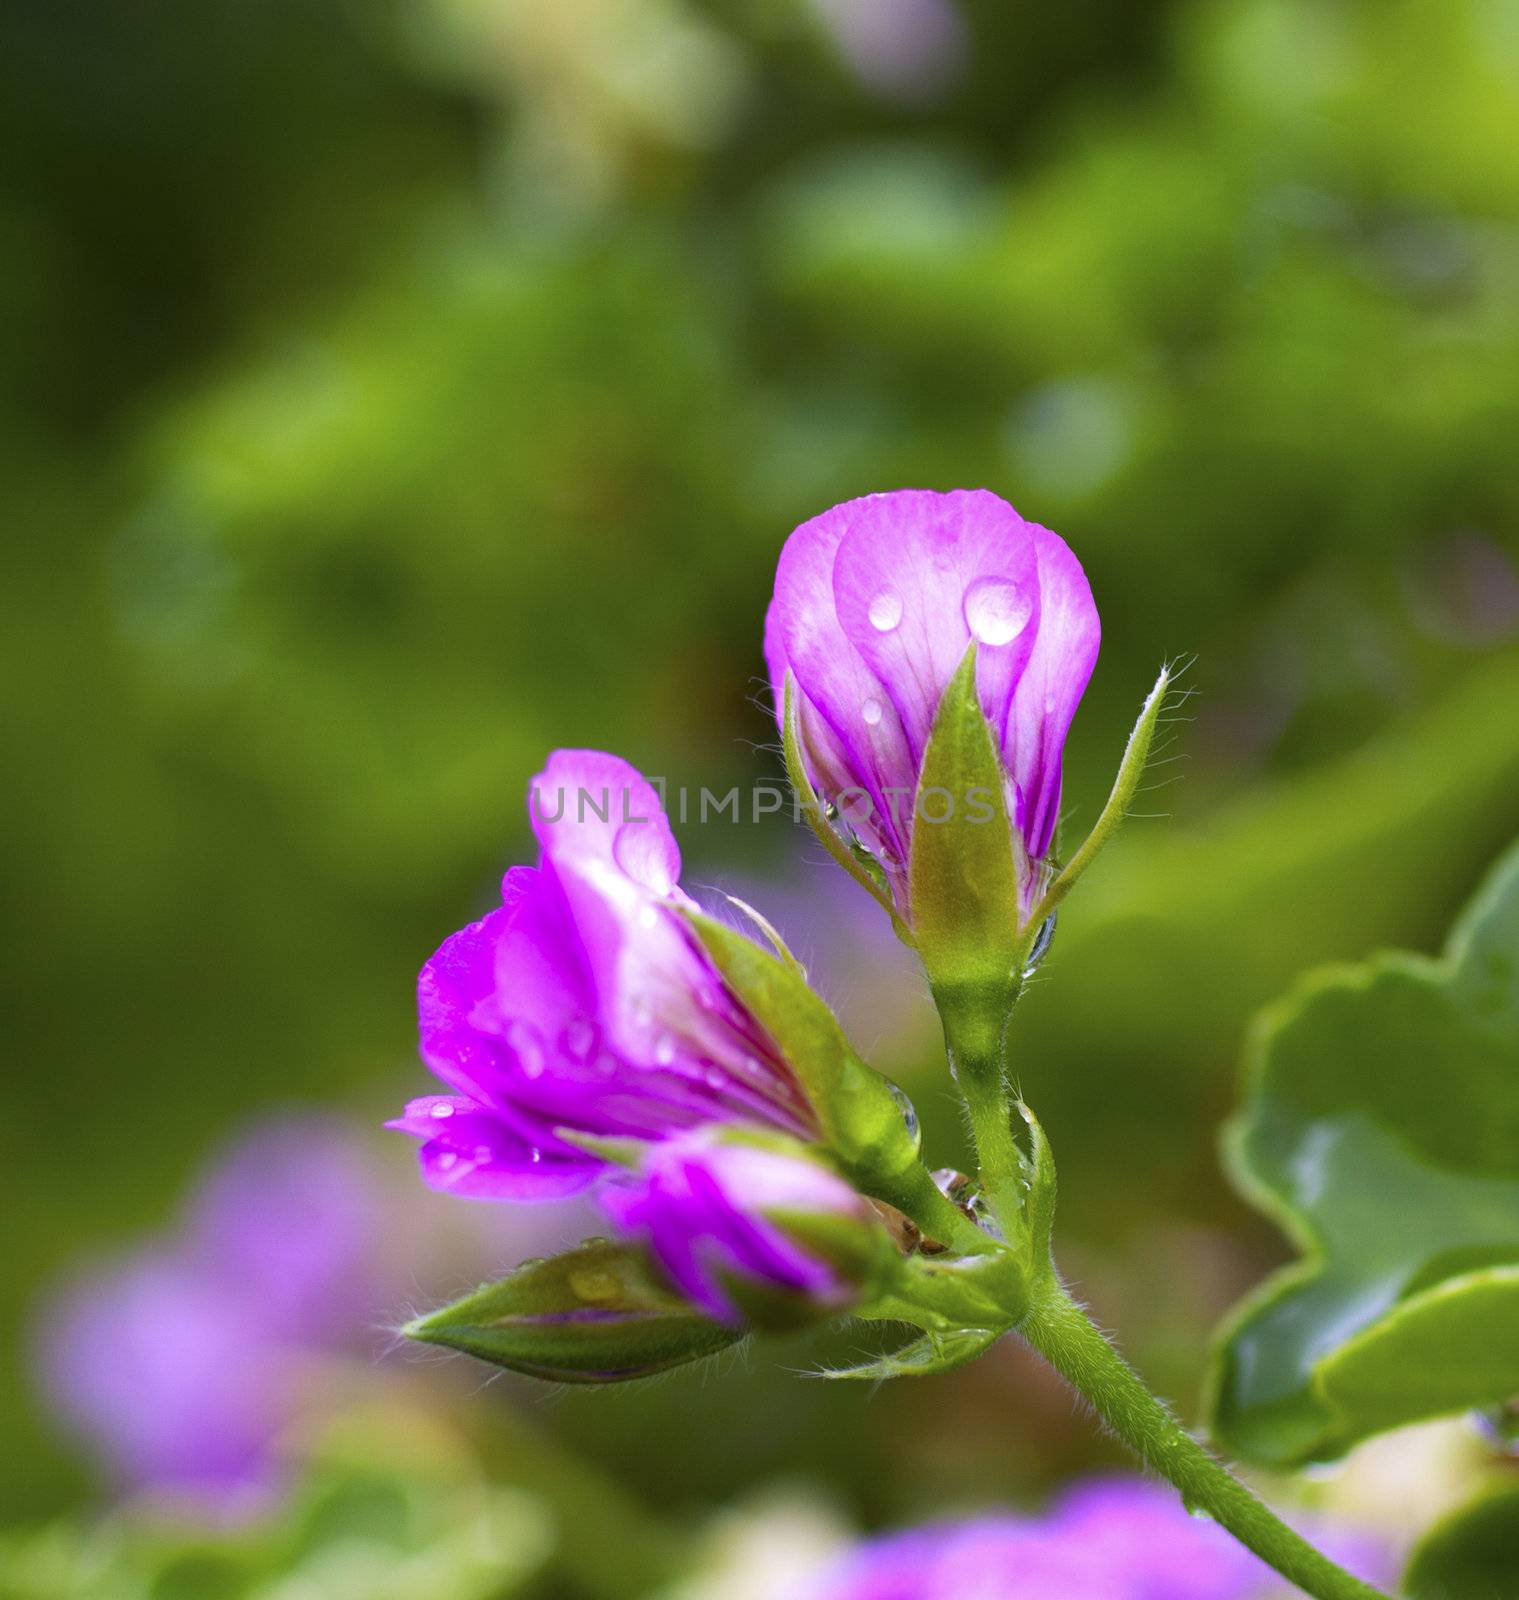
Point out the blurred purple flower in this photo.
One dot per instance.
(710, 1205)
(585, 1003)
(908, 50)
(876, 603)
(1107, 1539)
(179, 1364)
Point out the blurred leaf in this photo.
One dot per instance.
(1184, 930)
(1472, 1555)
(595, 1314)
(1382, 1131)
(1452, 1348)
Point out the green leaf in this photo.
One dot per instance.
(922, 1358)
(864, 1120)
(966, 855)
(1460, 1338)
(1473, 1555)
(596, 1314)
(1381, 1129)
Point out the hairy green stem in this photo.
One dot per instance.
(1067, 1338)
(975, 1020)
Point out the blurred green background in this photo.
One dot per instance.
(392, 392)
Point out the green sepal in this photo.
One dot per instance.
(1471, 1555)
(595, 1314)
(855, 862)
(923, 1357)
(1131, 769)
(966, 855)
(770, 932)
(1039, 1203)
(862, 1118)
(1381, 1130)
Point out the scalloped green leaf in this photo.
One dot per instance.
(1471, 1555)
(1381, 1129)
(923, 1358)
(595, 1314)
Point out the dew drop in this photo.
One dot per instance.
(996, 610)
(442, 1109)
(579, 1038)
(446, 1160)
(592, 1286)
(664, 1049)
(1042, 942)
(527, 1046)
(885, 611)
(648, 917)
(909, 1113)
(715, 1078)
(535, 1156)
(871, 711)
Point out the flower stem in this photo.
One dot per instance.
(975, 1019)
(1067, 1338)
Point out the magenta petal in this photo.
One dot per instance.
(585, 1003)
(472, 1153)
(587, 805)
(701, 1204)
(854, 734)
(1050, 689)
(917, 576)
(451, 988)
(876, 602)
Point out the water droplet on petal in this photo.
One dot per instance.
(442, 1109)
(885, 611)
(535, 1156)
(527, 1046)
(446, 1160)
(664, 1049)
(716, 1078)
(996, 610)
(579, 1038)
(871, 711)
(648, 917)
